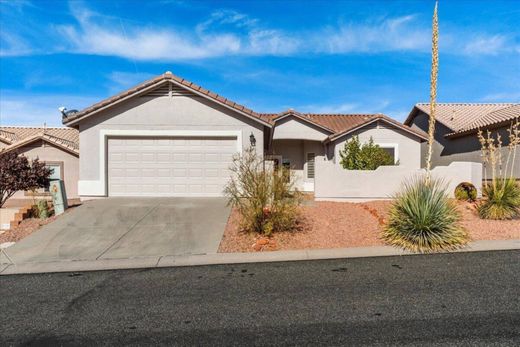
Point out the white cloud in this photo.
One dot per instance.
(36, 109)
(510, 96)
(230, 33)
(394, 34)
(491, 45)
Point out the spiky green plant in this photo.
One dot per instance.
(423, 219)
(501, 199)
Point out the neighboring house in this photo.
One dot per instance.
(457, 126)
(57, 147)
(170, 137)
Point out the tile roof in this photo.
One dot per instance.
(340, 124)
(14, 136)
(503, 115)
(335, 123)
(150, 84)
(462, 117)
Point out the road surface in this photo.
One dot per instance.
(450, 299)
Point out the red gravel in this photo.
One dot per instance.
(342, 224)
(25, 228)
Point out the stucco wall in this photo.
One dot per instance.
(294, 128)
(296, 151)
(409, 146)
(156, 113)
(467, 148)
(335, 183)
(47, 152)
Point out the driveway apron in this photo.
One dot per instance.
(128, 228)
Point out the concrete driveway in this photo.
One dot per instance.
(128, 228)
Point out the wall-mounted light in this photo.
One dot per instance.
(252, 140)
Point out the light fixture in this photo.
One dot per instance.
(252, 140)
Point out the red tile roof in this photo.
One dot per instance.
(335, 123)
(340, 124)
(150, 84)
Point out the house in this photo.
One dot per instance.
(57, 147)
(170, 137)
(457, 126)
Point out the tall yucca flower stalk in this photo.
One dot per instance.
(433, 91)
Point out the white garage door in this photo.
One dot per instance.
(180, 166)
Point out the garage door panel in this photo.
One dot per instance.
(169, 166)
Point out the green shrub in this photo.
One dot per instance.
(423, 219)
(466, 192)
(368, 156)
(43, 209)
(264, 197)
(501, 199)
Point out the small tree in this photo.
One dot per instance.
(368, 156)
(17, 173)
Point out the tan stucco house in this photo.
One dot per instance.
(57, 147)
(457, 126)
(170, 137)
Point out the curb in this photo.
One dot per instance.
(236, 258)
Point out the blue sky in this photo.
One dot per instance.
(313, 56)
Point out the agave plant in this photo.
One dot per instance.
(424, 219)
(501, 200)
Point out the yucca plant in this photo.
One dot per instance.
(501, 200)
(501, 195)
(424, 219)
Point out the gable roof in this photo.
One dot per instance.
(461, 117)
(495, 118)
(16, 137)
(152, 84)
(342, 124)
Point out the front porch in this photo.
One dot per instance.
(300, 156)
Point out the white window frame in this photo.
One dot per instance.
(395, 146)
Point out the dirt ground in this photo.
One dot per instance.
(343, 224)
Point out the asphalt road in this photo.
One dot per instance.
(453, 299)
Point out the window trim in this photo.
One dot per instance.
(395, 146)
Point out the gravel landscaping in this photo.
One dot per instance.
(342, 224)
(25, 228)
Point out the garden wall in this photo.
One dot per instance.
(334, 183)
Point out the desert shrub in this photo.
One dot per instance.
(367, 156)
(501, 199)
(265, 198)
(423, 219)
(466, 192)
(43, 209)
(501, 196)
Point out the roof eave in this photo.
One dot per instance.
(334, 137)
(75, 121)
(307, 120)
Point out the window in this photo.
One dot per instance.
(310, 165)
(55, 172)
(392, 149)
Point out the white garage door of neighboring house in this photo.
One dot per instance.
(179, 166)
